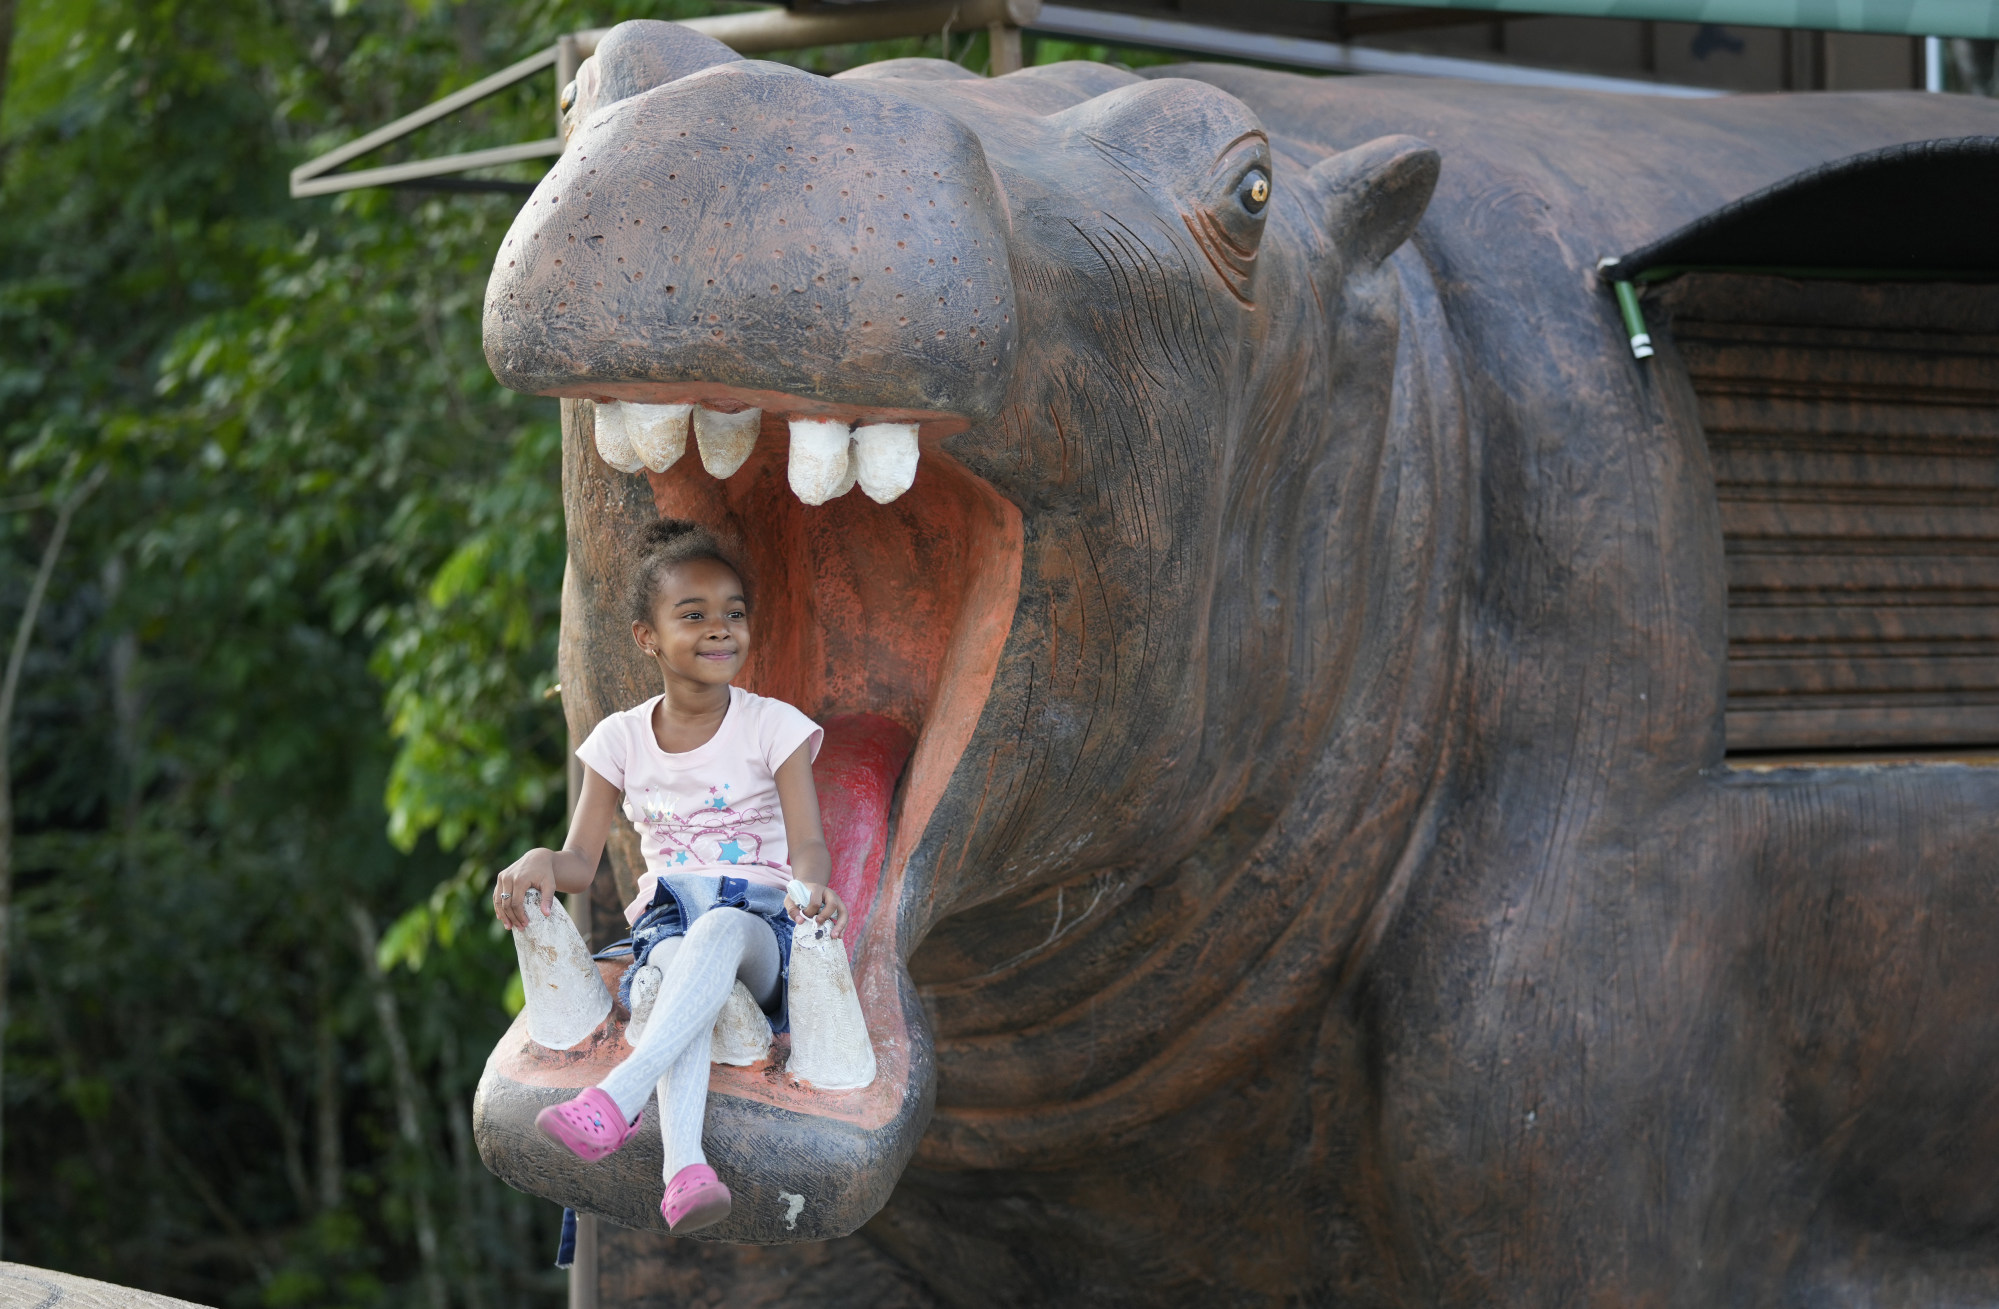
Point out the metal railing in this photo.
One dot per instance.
(756, 32)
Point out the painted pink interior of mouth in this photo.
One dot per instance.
(858, 766)
(869, 617)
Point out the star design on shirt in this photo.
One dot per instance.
(731, 853)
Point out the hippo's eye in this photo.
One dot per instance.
(1235, 202)
(1253, 191)
(569, 96)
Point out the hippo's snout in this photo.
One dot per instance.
(754, 237)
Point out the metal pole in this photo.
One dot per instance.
(566, 59)
(1005, 50)
(1932, 63)
(583, 1272)
(763, 30)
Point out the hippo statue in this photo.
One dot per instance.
(1274, 672)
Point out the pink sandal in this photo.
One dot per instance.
(694, 1199)
(590, 1125)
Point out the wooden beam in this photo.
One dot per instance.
(755, 32)
(410, 172)
(430, 113)
(764, 30)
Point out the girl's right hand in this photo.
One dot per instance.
(534, 870)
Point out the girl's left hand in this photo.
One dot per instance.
(825, 906)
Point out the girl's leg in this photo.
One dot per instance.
(683, 1104)
(722, 946)
(695, 1197)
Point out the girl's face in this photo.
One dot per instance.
(700, 628)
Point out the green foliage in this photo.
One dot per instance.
(466, 664)
(324, 569)
(1054, 50)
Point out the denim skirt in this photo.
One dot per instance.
(680, 899)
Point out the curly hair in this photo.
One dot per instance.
(669, 543)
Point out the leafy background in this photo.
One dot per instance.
(284, 711)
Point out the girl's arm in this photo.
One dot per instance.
(573, 867)
(811, 862)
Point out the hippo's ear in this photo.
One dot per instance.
(1373, 195)
(637, 56)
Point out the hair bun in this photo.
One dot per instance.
(667, 543)
(666, 531)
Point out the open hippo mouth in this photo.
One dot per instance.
(778, 321)
(880, 610)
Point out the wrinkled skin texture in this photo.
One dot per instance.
(1322, 882)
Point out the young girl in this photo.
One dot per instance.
(719, 783)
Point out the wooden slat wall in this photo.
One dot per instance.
(1854, 432)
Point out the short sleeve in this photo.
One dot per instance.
(783, 730)
(605, 749)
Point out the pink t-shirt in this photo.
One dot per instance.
(712, 810)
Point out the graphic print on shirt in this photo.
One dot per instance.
(712, 833)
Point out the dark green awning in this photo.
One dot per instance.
(1974, 18)
(1922, 211)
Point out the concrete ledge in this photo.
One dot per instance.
(22, 1287)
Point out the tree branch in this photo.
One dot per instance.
(404, 1080)
(17, 658)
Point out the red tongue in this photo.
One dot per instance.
(856, 772)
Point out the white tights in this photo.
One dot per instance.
(699, 971)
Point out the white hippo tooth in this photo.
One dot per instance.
(657, 433)
(614, 444)
(853, 471)
(886, 454)
(645, 990)
(565, 994)
(741, 1035)
(726, 440)
(818, 458)
(829, 1034)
